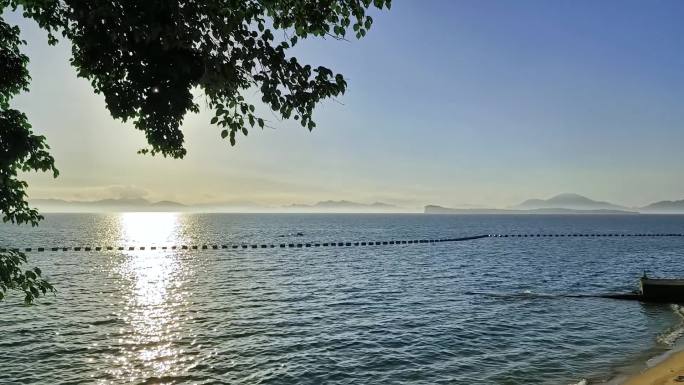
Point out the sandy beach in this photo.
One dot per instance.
(669, 371)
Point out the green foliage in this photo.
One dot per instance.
(20, 149)
(12, 277)
(147, 57)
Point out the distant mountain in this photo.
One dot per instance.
(234, 206)
(115, 202)
(568, 201)
(140, 204)
(168, 204)
(433, 209)
(344, 206)
(665, 207)
(559, 204)
(349, 204)
(117, 205)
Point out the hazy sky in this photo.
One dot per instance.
(449, 102)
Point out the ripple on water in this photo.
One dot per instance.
(485, 312)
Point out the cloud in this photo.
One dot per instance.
(127, 192)
(91, 193)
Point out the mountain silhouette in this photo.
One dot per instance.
(665, 207)
(345, 206)
(117, 205)
(433, 209)
(568, 201)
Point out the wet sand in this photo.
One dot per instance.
(668, 372)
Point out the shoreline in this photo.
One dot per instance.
(668, 371)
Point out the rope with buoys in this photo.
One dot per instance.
(251, 246)
(248, 246)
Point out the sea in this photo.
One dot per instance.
(495, 310)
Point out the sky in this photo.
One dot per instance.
(455, 103)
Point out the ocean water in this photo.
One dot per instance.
(487, 311)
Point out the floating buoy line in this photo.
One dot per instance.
(250, 246)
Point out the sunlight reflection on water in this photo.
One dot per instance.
(399, 314)
(153, 299)
(150, 228)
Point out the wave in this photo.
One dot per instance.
(671, 335)
(666, 339)
(530, 294)
(522, 294)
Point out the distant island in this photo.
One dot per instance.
(665, 207)
(432, 209)
(144, 205)
(567, 204)
(116, 205)
(559, 204)
(570, 202)
(345, 206)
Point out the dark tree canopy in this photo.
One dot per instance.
(12, 277)
(20, 150)
(147, 57)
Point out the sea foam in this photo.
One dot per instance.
(670, 336)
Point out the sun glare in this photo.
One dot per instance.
(153, 277)
(145, 229)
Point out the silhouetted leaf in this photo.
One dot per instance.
(147, 58)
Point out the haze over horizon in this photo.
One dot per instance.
(507, 102)
(564, 203)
